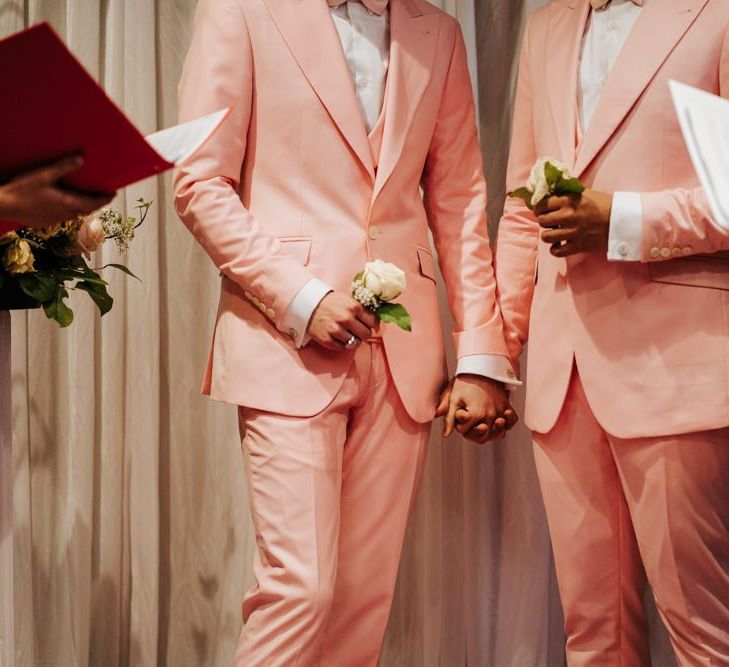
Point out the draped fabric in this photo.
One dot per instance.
(132, 537)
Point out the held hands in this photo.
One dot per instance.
(477, 407)
(338, 318)
(576, 224)
(35, 199)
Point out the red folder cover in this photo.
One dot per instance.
(53, 107)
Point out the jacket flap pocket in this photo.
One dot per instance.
(427, 263)
(708, 271)
(299, 247)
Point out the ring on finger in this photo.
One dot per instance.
(352, 343)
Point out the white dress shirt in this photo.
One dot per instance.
(607, 32)
(365, 39)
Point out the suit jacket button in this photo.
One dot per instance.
(373, 233)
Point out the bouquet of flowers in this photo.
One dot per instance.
(549, 178)
(38, 267)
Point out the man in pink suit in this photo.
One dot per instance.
(624, 296)
(340, 112)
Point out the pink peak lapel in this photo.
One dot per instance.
(413, 42)
(659, 29)
(312, 38)
(567, 23)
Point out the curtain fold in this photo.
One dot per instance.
(132, 536)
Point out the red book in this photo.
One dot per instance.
(53, 107)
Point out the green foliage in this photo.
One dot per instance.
(58, 269)
(525, 194)
(395, 313)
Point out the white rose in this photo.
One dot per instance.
(90, 236)
(386, 281)
(537, 182)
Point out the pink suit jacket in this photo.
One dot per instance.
(650, 339)
(287, 191)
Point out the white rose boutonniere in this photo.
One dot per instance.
(548, 178)
(377, 286)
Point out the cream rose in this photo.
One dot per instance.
(386, 281)
(538, 183)
(91, 235)
(18, 258)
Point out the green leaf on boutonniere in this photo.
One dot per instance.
(553, 175)
(525, 194)
(570, 186)
(395, 313)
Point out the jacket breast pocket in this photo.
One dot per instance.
(426, 263)
(299, 247)
(707, 271)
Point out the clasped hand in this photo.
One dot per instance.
(576, 224)
(477, 407)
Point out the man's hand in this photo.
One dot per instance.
(35, 199)
(337, 318)
(576, 224)
(477, 407)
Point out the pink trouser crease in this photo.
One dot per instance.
(330, 497)
(620, 509)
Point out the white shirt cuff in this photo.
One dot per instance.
(296, 320)
(625, 243)
(492, 366)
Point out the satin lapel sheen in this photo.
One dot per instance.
(413, 40)
(312, 38)
(658, 30)
(567, 22)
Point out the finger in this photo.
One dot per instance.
(445, 398)
(356, 328)
(367, 317)
(339, 334)
(479, 434)
(511, 419)
(79, 204)
(556, 203)
(561, 218)
(450, 419)
(53, 172)
(559, 235)
(564, 250)
(465, 421)
(553, 204)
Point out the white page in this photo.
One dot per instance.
(178, 143)
(704, 121)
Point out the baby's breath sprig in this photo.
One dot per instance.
(120, 229)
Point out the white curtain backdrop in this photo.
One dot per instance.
(132, 538)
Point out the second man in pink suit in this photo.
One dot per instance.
(340, 112)
(624, 297)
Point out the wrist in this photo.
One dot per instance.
(480, 380)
